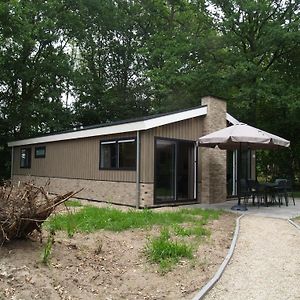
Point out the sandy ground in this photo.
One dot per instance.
(265, 264)
(106, 265)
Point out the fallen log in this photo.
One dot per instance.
(24, 208)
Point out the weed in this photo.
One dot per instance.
(71, 226)
(200, 231)
(181, 231)
(73, 203)
(165, 252)
(48, 248)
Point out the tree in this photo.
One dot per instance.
(261, 68)
(180, 51)
(110, 82)
(35, 68)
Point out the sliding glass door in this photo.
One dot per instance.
(243, 162)
(165, 170)
(174, 171)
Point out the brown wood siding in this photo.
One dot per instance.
(73, 159)
(186, 130)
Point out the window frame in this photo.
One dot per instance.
(117, 142)
(38, 148)
(29, 153)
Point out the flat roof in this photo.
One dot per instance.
(116, 127)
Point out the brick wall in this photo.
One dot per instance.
(108, 191)
(212, 162)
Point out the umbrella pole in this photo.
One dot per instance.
(239, 206)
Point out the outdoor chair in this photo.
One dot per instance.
(289, 191)
(257, 191)
(244, 192)
(284, 190)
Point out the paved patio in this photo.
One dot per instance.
(283, 212)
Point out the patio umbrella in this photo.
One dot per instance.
(242, 136)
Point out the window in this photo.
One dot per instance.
(108, 155)
(118, 154)
(40, 152)
(25, 159)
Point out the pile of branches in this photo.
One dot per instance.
(24, 208)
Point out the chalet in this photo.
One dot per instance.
(144, 162)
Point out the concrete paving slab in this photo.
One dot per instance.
(282, 212)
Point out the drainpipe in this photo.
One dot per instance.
(137, 200)
(12, 163)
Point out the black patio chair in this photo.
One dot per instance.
(281, 190)
(257, 192)
(289, 190)
(284, 190)
(244, 191)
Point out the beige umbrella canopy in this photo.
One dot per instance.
(242, 136)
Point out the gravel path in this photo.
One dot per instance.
(265, 264)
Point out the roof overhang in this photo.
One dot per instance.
(114, 129)
(231, 119)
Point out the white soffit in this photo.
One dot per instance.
(231, 119)
(114, 129)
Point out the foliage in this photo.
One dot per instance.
(73, 203)
(35, 69)
(165, 252)
(261, 69)
(197, 230)
(110, 75)
(47, 250)
(89, 219)
(124, 59)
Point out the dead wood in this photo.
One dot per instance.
(24, 208)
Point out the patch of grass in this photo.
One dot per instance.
(182, 231)
(70, 225)
(73, 203)
(165, 252)
(198, 231)
(46, 255)
(90, 219)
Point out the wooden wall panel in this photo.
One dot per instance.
(73, 159)
(185, 130)
(80, 158)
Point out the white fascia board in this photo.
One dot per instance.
(176, 117)
(231, 119)
(114, 129)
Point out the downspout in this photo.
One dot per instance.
(195, 166)
(137, 200)
(12, 163)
